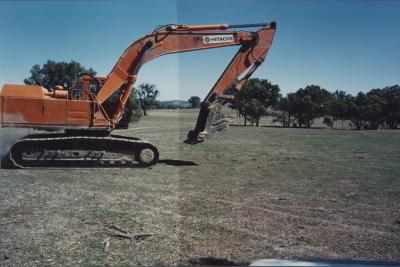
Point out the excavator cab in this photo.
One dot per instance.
(86, 85)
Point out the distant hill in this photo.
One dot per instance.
(174, 104)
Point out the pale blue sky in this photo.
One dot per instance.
(340, 45)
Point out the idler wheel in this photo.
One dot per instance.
(146, 156)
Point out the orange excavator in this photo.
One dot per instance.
(80, 114)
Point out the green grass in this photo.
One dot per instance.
(255, 192)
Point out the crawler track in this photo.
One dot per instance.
(66, 150)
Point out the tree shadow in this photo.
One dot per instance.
(250, 126)
(211, 261)
(310, 128)
(279, 126)
(240, 125)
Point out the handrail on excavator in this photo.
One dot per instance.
(253, 25)
(224, 26)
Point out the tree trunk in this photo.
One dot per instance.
(144, 111)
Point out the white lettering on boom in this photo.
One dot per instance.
(212, 39)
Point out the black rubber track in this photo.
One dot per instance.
(53, 142)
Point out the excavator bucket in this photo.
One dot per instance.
(210, 121)
(216, 121)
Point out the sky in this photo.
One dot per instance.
(340, 45)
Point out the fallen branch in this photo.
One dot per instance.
(16, 221)
(118, 229)
(115, 231)
(130, 236)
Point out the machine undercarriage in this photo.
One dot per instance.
(64, 149)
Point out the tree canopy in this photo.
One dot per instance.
(379, 108)
(255, 97)
(147, 94)
(194, 101)
(54, 73)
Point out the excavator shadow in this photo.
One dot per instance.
(211, 261)
(7, 164)
(177, 163)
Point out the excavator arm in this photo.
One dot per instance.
(177, 38)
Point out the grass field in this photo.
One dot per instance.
(253, 192)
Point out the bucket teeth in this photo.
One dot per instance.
(216, 120)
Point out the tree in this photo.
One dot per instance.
(379, 108)
(390, 105)
(365, 112)
(194, 101)
(305, 105)
(255, 97)
(338, 108)
(392, 108)
(54, 73)
(132, 110)
(254, 110)
(136, 108)
(317, 94)
(147, 94)
(286, 106)
(305, 110)
(328, 121)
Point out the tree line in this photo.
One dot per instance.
(377, 109)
